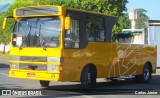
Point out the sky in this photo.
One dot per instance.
(5, 1)
(152, 7)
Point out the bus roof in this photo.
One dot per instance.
(59, 7)
(86, 11)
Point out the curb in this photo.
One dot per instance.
(4, 60)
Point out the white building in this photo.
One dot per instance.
(7, 48)
(153, 36)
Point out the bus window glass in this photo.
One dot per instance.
(72, 35)
(37, 32)
(95, 29)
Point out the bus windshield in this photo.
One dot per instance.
(37, 32)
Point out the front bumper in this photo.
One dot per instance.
(36, 75)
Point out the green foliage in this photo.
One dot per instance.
(123, 35)
(5, 34)
(111, 7)
(123, 23)
(142, 18)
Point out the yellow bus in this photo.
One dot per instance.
(55, 43)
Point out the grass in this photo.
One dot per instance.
(4, 56)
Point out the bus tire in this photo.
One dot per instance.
(44, 83)
(113, 80)
(145, 76)
(88, 76)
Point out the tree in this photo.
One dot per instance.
(123, 23)
(142, 18)
(111, 7)
(5, 34)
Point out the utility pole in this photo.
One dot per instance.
(133, 17)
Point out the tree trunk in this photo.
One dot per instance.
(4, 48)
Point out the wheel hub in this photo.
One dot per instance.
(146, 74)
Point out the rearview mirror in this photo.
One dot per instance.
(5, 22)
(67, 23)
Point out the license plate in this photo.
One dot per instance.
(31, 74)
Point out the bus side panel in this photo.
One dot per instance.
(127, 60)
(110, 59)
(150, 55)
(73, 61)
(102, 57)
(98, 54)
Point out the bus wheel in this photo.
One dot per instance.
(44, 83)
(88, 76)
(145, 76)
(113, 80)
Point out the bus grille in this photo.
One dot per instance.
(40, 67)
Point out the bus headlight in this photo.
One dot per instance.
(55, 59)
(52, 68)
(15, 66)
(17, 58)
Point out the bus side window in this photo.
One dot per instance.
(95, 29)
(72, 35)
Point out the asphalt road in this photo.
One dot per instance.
(74, 89)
